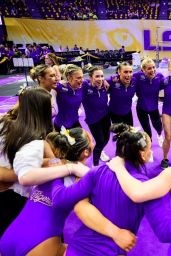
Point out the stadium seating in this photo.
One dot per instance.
(133, 9)
(14, 8)
(84, 9)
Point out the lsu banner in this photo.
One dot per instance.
(145, 36)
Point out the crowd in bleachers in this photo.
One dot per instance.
(14, 8)
(133, 9)
(59, 10)
(84, 9)
(169, 9)
(67, 10)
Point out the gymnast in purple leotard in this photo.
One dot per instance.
(40, 225)
(104, 191)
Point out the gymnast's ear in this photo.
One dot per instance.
(143, 155)
(85, 154)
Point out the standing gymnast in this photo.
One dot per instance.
(122, 89)
(166, 120)
(47, 79)
(149, 83)
(69, 98)
(95, 103)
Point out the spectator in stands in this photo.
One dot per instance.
(122, 51)
(79, 15)
(60, 49)
(51, 48)
(17, 52)
(95, 17)
(66, 49)
(84, 17)
(13, 11)
(28, 50)
(36, 54)
(45, 50)
(81, 50)
(97, 51)
(76, 48)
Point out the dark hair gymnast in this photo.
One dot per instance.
(129, 143)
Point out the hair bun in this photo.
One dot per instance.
(87, 67)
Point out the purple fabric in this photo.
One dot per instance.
(121, 96)
(99, 184)
(169, 251)
(167, 97)
(95, 102)
(37, 222)
(69, 101)
(147, 90)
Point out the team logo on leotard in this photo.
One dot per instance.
(89, 91)
(37, 196)
(117, 85)
(166, 81)
(142, 77)
(65, 89)
(133, 83)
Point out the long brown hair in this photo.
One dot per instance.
(33, 121)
